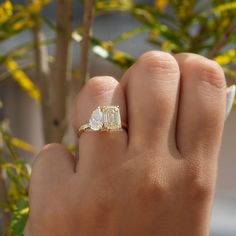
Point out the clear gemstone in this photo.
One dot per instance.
(111, 117)
(96, 120)
(118, 119)
(105, 119)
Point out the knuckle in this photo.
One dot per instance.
(201, 191)
(104, 205)
(99, 85)
(158, 61)
(101, 204)
(151, 186)
(211, 73)
(102, 199)
(200, 186)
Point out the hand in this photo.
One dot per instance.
(157, 178)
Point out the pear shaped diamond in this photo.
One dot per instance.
(96, 120)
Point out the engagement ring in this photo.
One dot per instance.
(105, 118)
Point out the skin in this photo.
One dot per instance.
(157, 178)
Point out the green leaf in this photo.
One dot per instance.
(19, 217)
(113, 5)
(106, 50)
(149, 17)
(6, 139)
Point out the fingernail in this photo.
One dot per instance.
(230, 100)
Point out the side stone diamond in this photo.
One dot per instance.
(96, 120)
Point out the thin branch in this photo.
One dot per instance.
(42, 75)
(129, 34)
(62, 70)
(87, 28)
(3, 198)
(223, 40)
(5, 216)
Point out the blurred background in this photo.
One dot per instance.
(36, 47)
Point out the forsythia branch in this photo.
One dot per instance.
(223, 40)
(87, 25)
(62, 70)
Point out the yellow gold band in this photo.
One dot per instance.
(86, 127)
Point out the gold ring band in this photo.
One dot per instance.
(85, 128)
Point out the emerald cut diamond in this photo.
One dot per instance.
(111, 117)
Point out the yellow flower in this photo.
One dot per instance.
(18, 25)
(161, 4)
(121, 5)
(11, 65)
(106, 45)
(119, 57)
(168, 46)
(8, 7)
(226, 57)
(24, 211)
(225, 7)
(22, 79)
(30, 23)
(185, 9)
(22, 145)
(225, 23)
(145, 14)
(6, 11)
(37, 5)
(154, 33)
